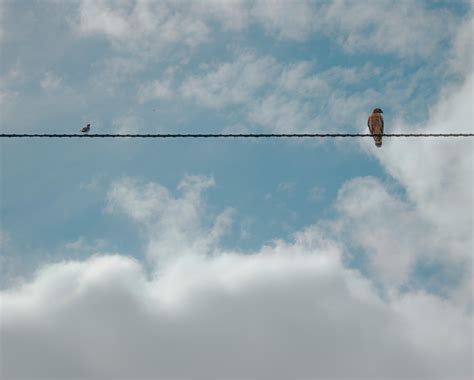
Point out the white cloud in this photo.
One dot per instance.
(294, 20)
(290, 310)
(232, 14)
(232, 83)
(437, 174)
(172, 225)
(282, 97)
(140, 25)
(390, 231)
(406, 28)
(142, 33)
(463, 46)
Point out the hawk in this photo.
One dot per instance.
(86, 129)
(375, 124)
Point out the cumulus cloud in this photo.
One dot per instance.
(172, 225)
(390, 231)
(291, 310)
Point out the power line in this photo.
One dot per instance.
(228, 135)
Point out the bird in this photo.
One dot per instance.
(375, 124)
(86, 128)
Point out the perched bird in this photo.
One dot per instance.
(375, 124)
(86, 129)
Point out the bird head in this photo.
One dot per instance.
(377, 110)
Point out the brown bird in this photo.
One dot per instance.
(86, 129)
(375, 124)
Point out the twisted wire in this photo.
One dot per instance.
(227, 135)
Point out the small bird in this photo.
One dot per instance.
(86, 129)
(375, 124)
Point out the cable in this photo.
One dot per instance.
(229, 135)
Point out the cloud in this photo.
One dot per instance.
(431, 224)
(294, 20)
(405, 28)
(172, 225)
(290, 310)
(437, 175)
(128, 22)
(232, 14)
(81, 245)
(390, 231)
(463, 45)
(233, 83)
(408, 28)
(282, 97)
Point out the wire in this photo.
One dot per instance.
(229, 135)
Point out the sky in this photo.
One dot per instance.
(236, 259)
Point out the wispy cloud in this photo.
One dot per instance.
(405, 28)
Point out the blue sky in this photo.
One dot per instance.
(232, 232)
